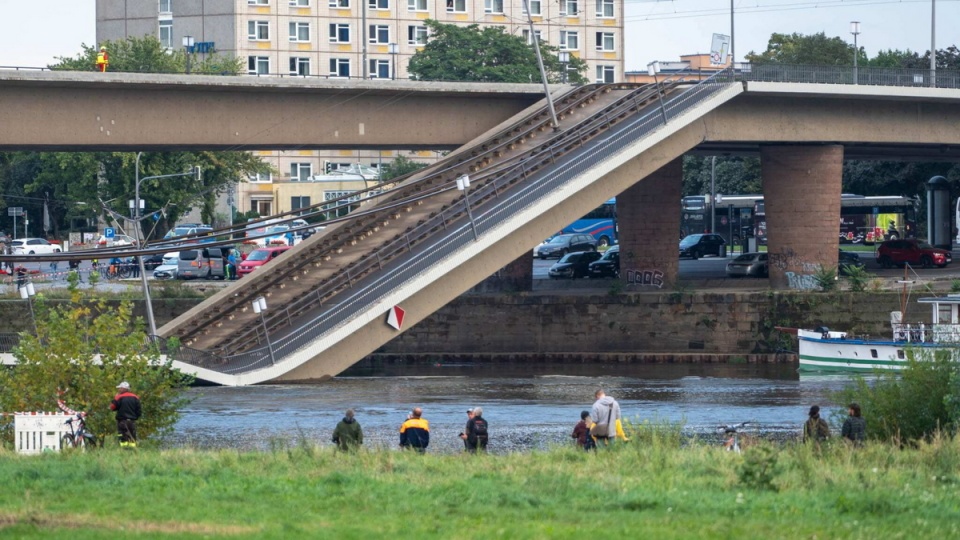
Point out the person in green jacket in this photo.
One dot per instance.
(348, 435)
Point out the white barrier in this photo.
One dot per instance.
(39, 431)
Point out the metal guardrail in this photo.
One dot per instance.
(864, 76)
(487, 217)
(8, 342)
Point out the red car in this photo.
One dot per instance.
(913, 252)
(258, 258)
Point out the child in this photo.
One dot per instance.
(582, 432)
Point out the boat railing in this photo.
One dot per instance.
(926, 333)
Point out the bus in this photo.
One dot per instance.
(601, 223)
(863, 220)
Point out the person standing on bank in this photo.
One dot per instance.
(415, 432)
(606, 414)
(477, 431)
(854, 427)
(348, 435)
(463, 434)
(127, 405)
(815, 429)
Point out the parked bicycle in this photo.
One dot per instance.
(79, 436)
(118, 270)
(732, 436)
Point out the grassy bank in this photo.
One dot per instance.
(655, 490)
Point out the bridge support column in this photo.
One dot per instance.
(518, 275)
(648, 214)
(801, 193)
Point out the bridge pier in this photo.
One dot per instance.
(801, 193)
(649, 220)
(518, 275)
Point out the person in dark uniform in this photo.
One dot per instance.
(127, 405)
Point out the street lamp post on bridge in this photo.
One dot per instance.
(855, 30)
(652, 69)
(259, 307)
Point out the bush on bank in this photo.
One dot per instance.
(655, 489)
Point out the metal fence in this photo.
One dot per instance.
(865, 76)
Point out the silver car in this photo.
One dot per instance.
(748, 264)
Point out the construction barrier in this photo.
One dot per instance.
(36, 432)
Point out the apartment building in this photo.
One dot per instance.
(353, 39)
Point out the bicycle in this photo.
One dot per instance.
(79, 436)
(732, 435)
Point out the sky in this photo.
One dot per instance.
(37, 32)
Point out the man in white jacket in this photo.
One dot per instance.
(606, 413)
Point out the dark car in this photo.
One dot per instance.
(561, 244)
(847, 260)
(910, 251)
(698, 245)
(608, 265)
(573, 265)
(151, 262)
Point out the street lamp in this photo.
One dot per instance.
(393, 49)
(463, 184)
(138, 216)
(564, 57)
(259, 307)
(188, 45)
(543, 71)
(27, 293)
(855, 30)
(652, 69)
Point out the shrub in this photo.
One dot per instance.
(858, 278)
(955, 286)
(759, 468)
(826, 278)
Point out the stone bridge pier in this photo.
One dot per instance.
(801, 193)
(648, 214)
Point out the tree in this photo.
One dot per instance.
(147, 55)
(734, 175)
(471, 53)
(86, 347)
(400, 166)
(799, 49)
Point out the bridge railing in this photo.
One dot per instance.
(458, 232)
(865, 76)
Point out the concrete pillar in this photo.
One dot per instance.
(648, 214)
(518, 275)
(801, 194)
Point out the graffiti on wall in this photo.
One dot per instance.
(787, 258)
(803, 282)
(646, 278)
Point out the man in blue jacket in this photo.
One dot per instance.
(415, 432)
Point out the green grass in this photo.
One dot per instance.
(655, 489)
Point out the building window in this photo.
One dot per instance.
(569, 40)
(493, 6)
(534, 7)
(258, 65)
(340, 4)
(417, 35)
(416, 5)
(296, 203)
(299, 66)
(379, 69)
(263, 208)
(258, 2)
(525, 33)
(604, 41)
(605, 9)
(300, 172)
(258, 30)
(379, 33)
(166, 6)
(261, 177)
(605, 74)
(339, 33)
(300, 31)
(457, 6)
(166, 34)
(340, 67)
(570, 8)
(300, 3)
(378, 4)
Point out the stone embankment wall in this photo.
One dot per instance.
(642, 327)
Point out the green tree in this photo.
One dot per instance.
(85, 347)
(400, 166)
(147, 55)
(734, 175)
(471, 53)
(800, 49)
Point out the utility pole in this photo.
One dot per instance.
(543, 72)
(363, 7)
(933, 43)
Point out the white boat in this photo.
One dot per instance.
(826, 350)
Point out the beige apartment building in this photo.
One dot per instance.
(352, 39)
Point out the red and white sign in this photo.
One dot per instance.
(395, 317)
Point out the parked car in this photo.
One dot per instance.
(32, 246)
(258, 258)
(749, 264)
(190, 228)
(168, 267)
(305, 233)
(910, 251)
(573, 265)
(608, 265)
(847, 260)
(151, 262)
(116, 241)
(562, 244)
(698, 245)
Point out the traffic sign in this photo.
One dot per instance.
(15, 211)
(395, 317)
(109, 233)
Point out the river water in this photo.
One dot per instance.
(527, 407)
